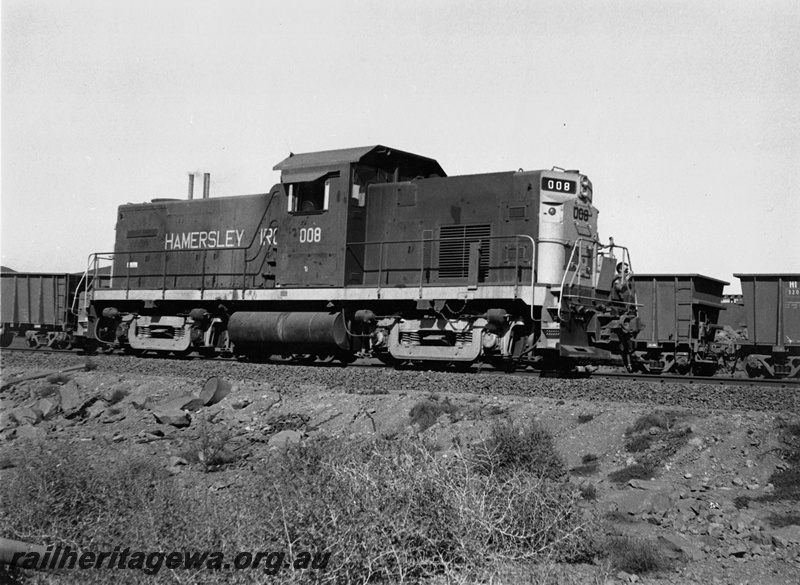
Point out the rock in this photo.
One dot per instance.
(644, 484)
(737, 550)
(112, 414)
(636, 502)
(174, 461)
(240, 404)
(188, 402)
(785, 536)
(710, 542)
(691, 507)
(96, 409)
(7, 421)
(71, 401)
(676, 546)
(48, 407)
(176, 418)
(30, 432)
(26, 416)
(284, 438)
(140, 402)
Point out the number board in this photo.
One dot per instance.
(559, 185)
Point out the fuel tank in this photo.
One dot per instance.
(289, 331)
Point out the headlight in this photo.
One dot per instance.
(586, 190)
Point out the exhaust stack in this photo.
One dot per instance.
(191, 186)
(206, 184)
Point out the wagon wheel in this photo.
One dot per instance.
(6, 338)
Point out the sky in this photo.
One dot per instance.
(685, 115)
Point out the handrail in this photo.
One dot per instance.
(95, 258)
(596, 254)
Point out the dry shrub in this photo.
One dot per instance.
(657, 419)
(384, 510)
(633, 554)
(425, 414)
(393, 511)
(211, 449)
(58, 378)
(515, 448)
(639, 443)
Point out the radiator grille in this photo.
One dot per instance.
(454, 247)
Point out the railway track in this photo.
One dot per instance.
(372, 363)
(714, 380)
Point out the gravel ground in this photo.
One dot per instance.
(733, 451)
(374, 379)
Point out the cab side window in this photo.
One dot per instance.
(309, 196)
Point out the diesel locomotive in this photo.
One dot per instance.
(376, 252)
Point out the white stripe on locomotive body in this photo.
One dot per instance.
(532, 295)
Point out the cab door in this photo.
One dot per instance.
(312, 247)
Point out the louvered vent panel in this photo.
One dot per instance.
(454, 249)
(517, 212)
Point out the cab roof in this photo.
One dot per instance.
(377, 155)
